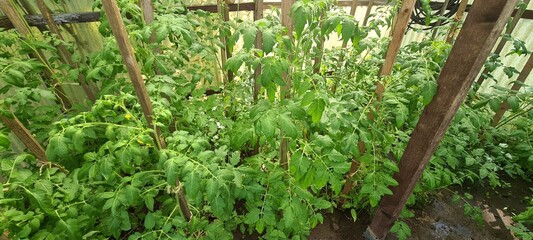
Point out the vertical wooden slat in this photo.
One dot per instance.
(368, 11)
(474, 43)
(66, 55)
(439, 21)
(458, 17)
(318, 58)
(514, 89)
(126, 50)
(288, 23)
(503, 41)
(258, 14)
(20, 24)
(400, 27)
(222, 8)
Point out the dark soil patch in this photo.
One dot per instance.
(443, 219)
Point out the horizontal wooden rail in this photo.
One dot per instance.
(84, 17)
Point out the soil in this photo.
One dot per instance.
(441, 218)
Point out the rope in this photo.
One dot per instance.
(426, 13)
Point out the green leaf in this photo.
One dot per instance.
(149, 221)
(514, 103)
(495, 104)
(316, 109)
(4, 141)
(269, 40)
(79, 141)
(249, 37)
(428, 91)
(348, 28)
(252, 217)
(268, 126)
(470, 161)
(287, 126)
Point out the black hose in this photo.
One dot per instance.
(429, 21)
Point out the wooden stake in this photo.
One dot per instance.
(368, 11)
(66, 55)
(514, 89)
(24, 135)
(22, 27)
(126, 49)
(482, 28)
(398, 33)
(458, 17)
(503, 41)
(318, 59)
(287, 22)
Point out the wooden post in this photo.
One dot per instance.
(66, 55)
(482, 28)
(258, 14)
(398, 33)
(367, 13)
(439, 21)
(458, 17)
(503, 41)
(287, 22)
(22, 27)
(126, 49)
(24, 135)
(222, 8)
(514, 89)
(318, 58)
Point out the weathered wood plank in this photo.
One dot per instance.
(119, 31)
(474, 43)
(514, 89)
(368, 10)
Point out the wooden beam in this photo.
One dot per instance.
(25, 136)
(503, 41)
(458, 17)
(119, 31)
(59, 18)
(514, 89)
(85, 17)
(63, 51)
(368, 10)
(287, 22)
(474, 43)
(402, 20)
(22, 27)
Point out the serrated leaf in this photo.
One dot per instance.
(287, 126)
(249, 37)
(316, 109)
(269, 40)
(514, 103)
(149, 221)
(429, 90)
(348, 28)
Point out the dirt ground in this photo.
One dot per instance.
(441, 218)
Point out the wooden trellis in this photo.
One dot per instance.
(480, 32)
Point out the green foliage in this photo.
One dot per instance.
(224, 150)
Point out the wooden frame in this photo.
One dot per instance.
(480, 32)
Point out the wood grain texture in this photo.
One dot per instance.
(514, 89)
(474, 43)
(25, 137)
